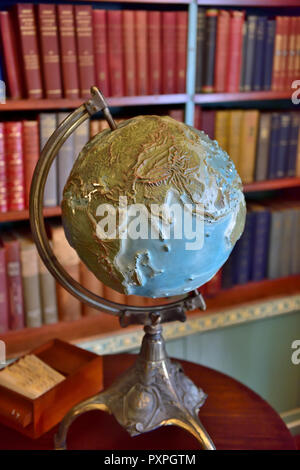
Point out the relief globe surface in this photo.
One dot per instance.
(153, 208)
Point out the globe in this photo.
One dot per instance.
(154, 207)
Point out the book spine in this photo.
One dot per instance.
(200, 49)
(14, 163)
(278, 53)
(297, 61)
(141, 34)
(47, 125)
(286, 253)
(31, 286)
(81, 137)
(48, 295)
(269, 54)
(154, 51)
(232, 72)
(208, 118)
(295, 261)
(235, 122)
(298, 157)
(243, 252)
(284, 56)
(198, 117)
(282, 151)
(49, 50)
(85, 50)
(31, 149)
(250, 53)
(222, 129)
(292, 51)
(259, 53)
(115, 52)
(65, 159)
(181, 50)
(3, 172)
(209, 50)
(275, 244)
(248, 145)
(67, 38)
(30, 52)
(101, 50)
(222, 46)
(263, 142)
(12, 69)
(273, 147)
(14, 283)
(244, 55)
(3, 292)
(177, 114)
(260, 245)
(168, 52)
(227, 272)
(292, 145)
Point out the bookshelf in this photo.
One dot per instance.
(244, 295)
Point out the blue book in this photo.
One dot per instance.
(260, 39)
(227, 272)
(291, 161)
(268, 54)
(261, 233)
(243, 252)
(273, 147)
(283, 145)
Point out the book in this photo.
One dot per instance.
(221, 133)
(291, 72)
(115, 52)
(177, 114)
(29, 49)
(154, 52)
(249, 128)
(11, 61)
(222, 49)
(290, 169)
(208, 122)
(101, 50)
(50, 55)
(3, 172)
(47, 294)
(295, 259)
(261, 233)
(209, 50)
(244, 57)
(4, 307)
(243, 252)
(81, 137)
(130, 53)
(284, 53)
(168, 52)
(90, 282)
(279, 48)
(262, 149)
(68, 51)
(200, 49)
(214, 286)
(283, 145)
(140, 22)
(181, 50)
(30, 280)
(85, 48)
(31, 153)
(14, 165)
(95, 127)
(269, 54)
(258, 78)
(285, 252)
(47, 125)
(234, 138)
(14, 280)
(297, 60)
(250, 52)
(198, 117)
(274, 143)
(275, 243)
(65, 159)
(233, 70)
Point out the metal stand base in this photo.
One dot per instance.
(154, 392)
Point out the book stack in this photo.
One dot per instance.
(55, 51)
(239, 52)
(262, 145)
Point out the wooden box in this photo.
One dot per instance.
(84, 378)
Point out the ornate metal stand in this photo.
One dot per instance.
(154, 392)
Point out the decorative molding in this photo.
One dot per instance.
(201, 323)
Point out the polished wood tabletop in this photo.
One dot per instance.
(234, 416)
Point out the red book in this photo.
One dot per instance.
(181, 50)
(3, 180)
(29, 50)
(3, 291)
(214, 286)
(14, 164)
(14, 281)
(49, 50)
(101, 51)
(141, 52)
(115, 52)
(129, 53)
(12, 68)
(292, 51)
(222, 46)
(208, 122)
(31, 151)
(85, 49)
(177, 114)
(197, 117)
(278, 62)
(68, 51)
(234, 62)
(168, 52)
(154, 52)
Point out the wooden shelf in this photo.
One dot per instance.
(270, 185)
(207, 98)
(103, 326)
(24, 215)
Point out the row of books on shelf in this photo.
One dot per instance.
(20, 145)
(268, 249)
(262, 145)
(239, 52)
(62, 50)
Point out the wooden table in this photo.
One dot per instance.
(234, 416)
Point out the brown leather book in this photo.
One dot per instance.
(154, 52)
(101, 50)
(222, 46)
(12, 64)
(235, 121)
(31, 150)
(14, 165)
(85, 48)
(141, 52)
(169, 52)
(67, 38)
(3, 177)
(129, 52)
(29, 49)
(50, 56)
(115, 52)
(4, 306)
(181, 50)
(90, 282)
(221, 129)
